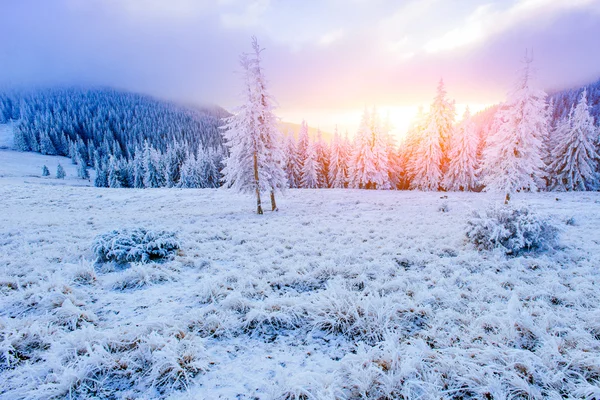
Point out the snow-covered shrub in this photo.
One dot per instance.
(134, 245)
(515, 230)
(45, 171)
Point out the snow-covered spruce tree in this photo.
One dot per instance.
(60, 172)
(100, 165)
(368, 165)
(309, 176)
(256, 159)
(292, 171)
(362, 167)
(575, 155)
(153, 168)
(189, 173)
(322, 151)
(115, 180)
(463, 163)
(393, 159)
(138, 171)
(429, 156)
(46, 145)
(82, 171)
(338, 166)
(45, 171)
(513, 158)
(302, 148)
(381, 180)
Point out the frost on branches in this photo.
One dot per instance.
(575, 157)
(256, 159)
(462, 164)
(513, 159)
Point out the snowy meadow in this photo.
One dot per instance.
(342, 294)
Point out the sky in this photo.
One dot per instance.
(325, 60)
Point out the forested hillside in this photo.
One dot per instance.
(564, 100)
(107, 128)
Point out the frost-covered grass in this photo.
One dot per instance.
(339, 295)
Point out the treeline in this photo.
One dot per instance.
(555, 147)
(124, 136)
(137, 141)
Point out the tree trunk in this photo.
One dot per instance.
(507, 198)
(273, 205)
(257, 185)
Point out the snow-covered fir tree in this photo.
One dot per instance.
(362, 167)
(302, 147)
(513, 158)
(368, 162)
(393, 159)
(46, 145)
(379, 140)
(463, 164)
(45, 171)
(189, 173)
(115, 180)
(153, 168)
(575, 154)
(82, 171)
(138, 171)
(429, 155)
(322, 151)
(292, 171)
(256, 160)
(309, 177)
(207, 164)
(338, 165)
(60, 172)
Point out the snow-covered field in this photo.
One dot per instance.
(340, 294)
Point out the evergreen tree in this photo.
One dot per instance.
(462, 165)
(322, 151)
(82, 171)
(575, 155)
(256, 160)
(291, 162)
(189, 173)
(338, 171)
(60, 172)
(429, 156)
(138, 169)
(381, 179)
(393, 160)
(46, 146)
(115, 180)
(45, 171)
(302, 148)
(369, 166)
(309, 178)
(153, 168)
(362, 167)
(513, 159)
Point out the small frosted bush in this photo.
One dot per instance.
(515, 230)
(134, 245)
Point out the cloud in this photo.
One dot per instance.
(488, 20)
(331, 37)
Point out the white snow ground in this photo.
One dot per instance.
(340, 294)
